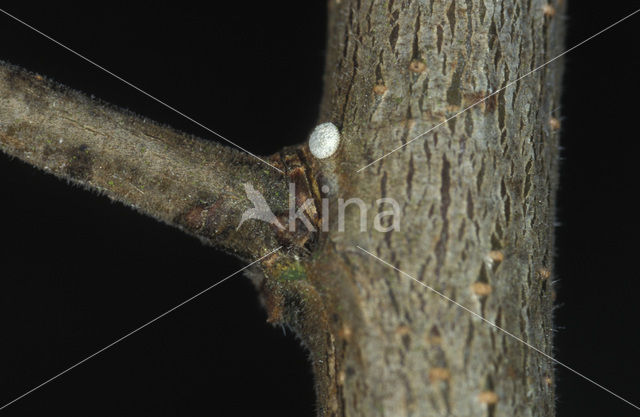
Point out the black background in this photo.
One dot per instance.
(77, 272)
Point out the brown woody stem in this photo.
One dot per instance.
(192, 183)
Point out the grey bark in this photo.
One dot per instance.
(484, 182)
(476, 197)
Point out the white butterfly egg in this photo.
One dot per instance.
(324, 140)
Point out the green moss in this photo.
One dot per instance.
(293, 272)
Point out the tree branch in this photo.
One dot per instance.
(188, 182)
(476, 197)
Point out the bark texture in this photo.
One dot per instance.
(476, 197)
(179, 179)
(482, 185)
